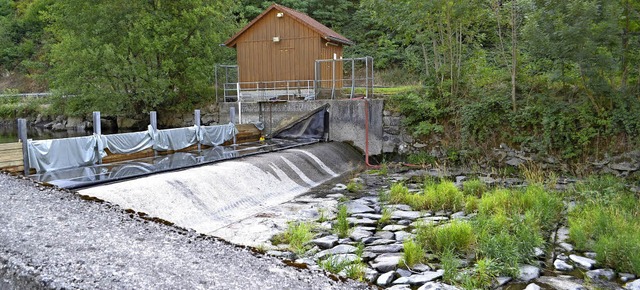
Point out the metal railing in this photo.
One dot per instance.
(275, 90)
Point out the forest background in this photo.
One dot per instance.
(557, 77)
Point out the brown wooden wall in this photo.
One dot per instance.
(293, 58)
(11, 157)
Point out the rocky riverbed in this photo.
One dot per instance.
(380, 248)
(54, 239)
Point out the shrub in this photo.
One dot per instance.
(474, 187)
(602, 188)
(341, 225)
(413, 254)
(456, 236)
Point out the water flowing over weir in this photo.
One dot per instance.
(210, 197)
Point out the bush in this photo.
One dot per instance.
(456, 236)
(413, 254)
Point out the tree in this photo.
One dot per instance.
(129, 57)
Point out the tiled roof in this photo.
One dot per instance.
(305, 19)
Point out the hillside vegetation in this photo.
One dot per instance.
(555, 76)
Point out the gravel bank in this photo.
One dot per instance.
(52, 239)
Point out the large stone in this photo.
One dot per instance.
(394, 228)
(342, 259)
(326, 242)
(501, 281)
(392, 248)
(381, 242)
(561, 283)
(385, 235)
(386, 278)
(370, 275)
(400, 287)
(386, 262)
(624, 166)
(626, 277)
(582, 262)
(405, 215)
(419, 279)
(528, 273)
(635, 285)
(402, 235)
(566, 247)
(358, 234)
(532, 286)
(339, 249)
(404, 272)
(515, 162)
(561, 265)
(358, 207)
(362, 221)
(601, 274)
(437, 286)
(373, 216)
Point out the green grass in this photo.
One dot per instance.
(450, 264)
(383, 170)
(456, 236)
(353, 186)
(610, 229)
(482, 276)
(385, 218)
(421, 158)
(297, 235)
(413, 254)
(443, 196)
(341, 224)
(474, 187)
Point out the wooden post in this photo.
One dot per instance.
(196, 121)
(153, 121)
(97, 130)
(22, 134)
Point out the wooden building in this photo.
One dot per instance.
(282, 44)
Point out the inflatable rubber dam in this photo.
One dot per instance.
(209, 197)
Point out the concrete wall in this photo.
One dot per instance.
(347, 118)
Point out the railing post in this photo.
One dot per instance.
(232, 119)
(196, 121)
(22, 134)
(97, 131)
(153, 121)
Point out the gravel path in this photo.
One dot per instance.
(53, 239)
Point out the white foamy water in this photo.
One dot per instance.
(210, 197)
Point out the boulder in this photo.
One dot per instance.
(326, 242)
(635, 285)
(582, 262)
(394, 228)
(561, 265)
(358, 234)
(561, 283)
(437, 286)
(528, 273)
(532, 286)
(386, 262)
(601, 274)
(626, 277)
(386, 278)
(358, 207)
(402, 215)
(391, 248)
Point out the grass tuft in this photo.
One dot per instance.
(413, 254)
(341, 224)
(456, 236)
(474, 187)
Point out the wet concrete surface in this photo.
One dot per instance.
(54, 239)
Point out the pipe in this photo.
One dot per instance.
(366, 138)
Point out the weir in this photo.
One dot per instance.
(210, 197)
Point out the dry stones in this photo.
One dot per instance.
(561, 265)
(601, 274)
(386, 262)
(392, 248)
(405, 215)
(340, 249)
(635, 285)
(386, 278)
(528, 273)
(326, 242)
(561, 283)
(357, 207)
(582, 262)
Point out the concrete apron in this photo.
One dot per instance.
(214, 199)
